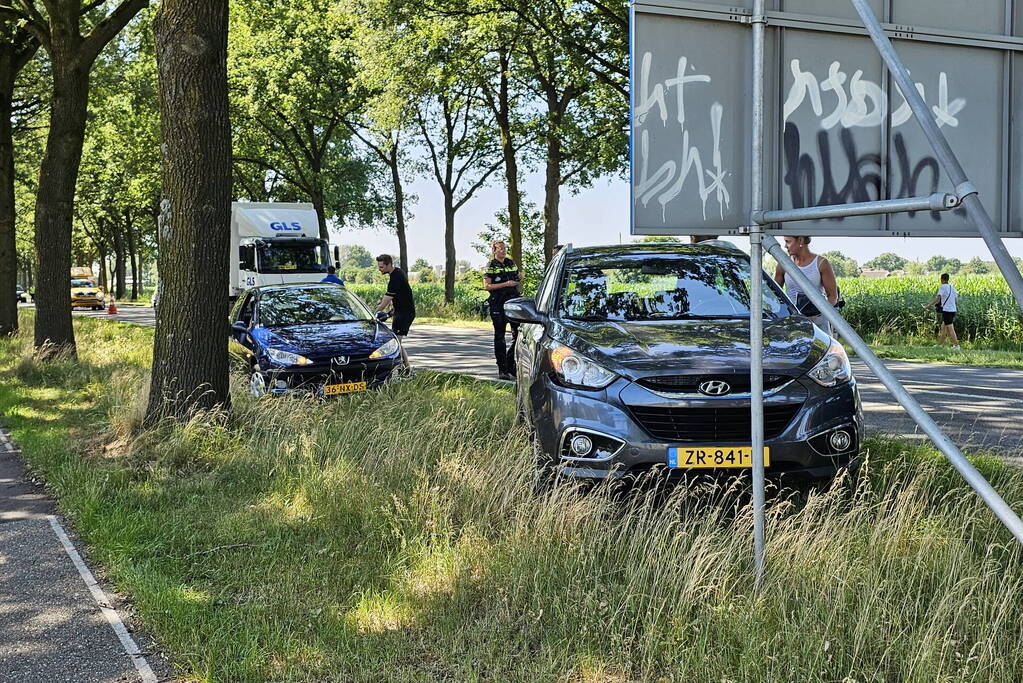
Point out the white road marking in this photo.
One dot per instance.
(130, 646)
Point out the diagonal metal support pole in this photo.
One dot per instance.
(931, 429)
(965, 190)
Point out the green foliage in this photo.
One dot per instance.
(842, 264)
(291, 88)
(355, 256)
(429, 298)
(531, 222)
(988, 316)
(887, 261)
(975, 266)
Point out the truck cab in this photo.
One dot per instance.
(275, 243)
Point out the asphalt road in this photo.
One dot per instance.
(979, 408)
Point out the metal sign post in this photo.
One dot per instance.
(756, 307)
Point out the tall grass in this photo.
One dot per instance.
(429, 299)
(891, 308)
(393, 536)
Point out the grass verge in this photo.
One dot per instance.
(944, 354)
(392, 536)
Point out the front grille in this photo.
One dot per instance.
(711, 425)
(689, 384)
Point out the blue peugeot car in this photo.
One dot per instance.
(635, 358)
(316, 339)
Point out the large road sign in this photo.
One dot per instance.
(836, 128)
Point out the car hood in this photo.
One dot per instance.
(792, 345)
(357, 338)
(82, 291)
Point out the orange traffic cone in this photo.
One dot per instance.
(112, 308)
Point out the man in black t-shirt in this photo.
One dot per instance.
(501, 279)
(398, 298)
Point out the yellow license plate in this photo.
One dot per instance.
(346, 388)
(705, 457)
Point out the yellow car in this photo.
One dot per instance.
(86, 294)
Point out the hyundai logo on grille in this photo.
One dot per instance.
(714, 387)
(339, 360)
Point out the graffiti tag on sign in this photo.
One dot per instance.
(865, 104)
(838, 100)
(668, 181)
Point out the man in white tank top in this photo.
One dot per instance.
(816, 268)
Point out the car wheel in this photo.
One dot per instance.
(257, 383)
(545, 474)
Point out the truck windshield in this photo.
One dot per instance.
(675, 288)
(292, 258)
(79, 282)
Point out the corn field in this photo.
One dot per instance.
(891, 307)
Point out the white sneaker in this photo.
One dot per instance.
(956, 347)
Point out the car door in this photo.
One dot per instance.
(528, 346)
(241, 340)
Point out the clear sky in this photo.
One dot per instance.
(600, 215)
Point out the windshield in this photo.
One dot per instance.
(79, 282)
(675, 287)
(292, 258)
(304, 306)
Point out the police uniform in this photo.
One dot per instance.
(498, 272)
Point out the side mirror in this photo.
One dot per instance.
(523, 310)
(239, 326)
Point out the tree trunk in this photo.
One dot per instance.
(449, 248)
(552, 194)
(316, 195)
(130, 235)
(8, 244)
(190, 357)
(119, 269)
(54, 203)
(511, 166)
(101, 249)
(399, 208)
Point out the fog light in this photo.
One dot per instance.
(281, 384)
(582, 445)
(840, 440)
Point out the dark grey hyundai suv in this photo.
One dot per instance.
(637, 357)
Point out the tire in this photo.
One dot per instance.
(545, 474)
(258, 386)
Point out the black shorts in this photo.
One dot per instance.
(947, 317)
(402, 322)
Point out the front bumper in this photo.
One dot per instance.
(804, 416)
(312, 378)
(77, 302)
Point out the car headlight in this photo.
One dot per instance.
(573, 368)
(389, 348)
(287, 357)
(833, 369)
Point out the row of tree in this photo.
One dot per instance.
(119, 120)
(337, 102)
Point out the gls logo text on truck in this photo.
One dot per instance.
(281, 226)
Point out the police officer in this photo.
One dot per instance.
(501, 279)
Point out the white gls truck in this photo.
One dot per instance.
(275, 243)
